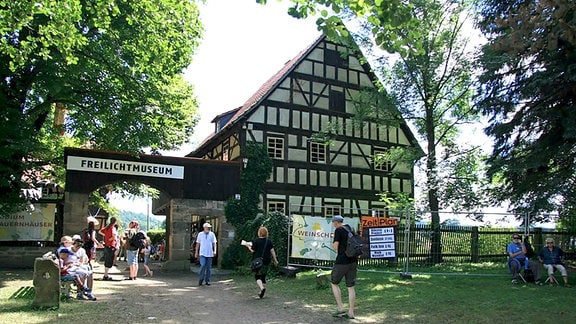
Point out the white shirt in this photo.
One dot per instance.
(206, 241)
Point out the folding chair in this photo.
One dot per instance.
(520, 268)
(554, 281)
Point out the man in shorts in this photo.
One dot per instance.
(110, 237)
(344, 267)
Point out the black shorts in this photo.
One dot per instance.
(109, 256)
(349, 271)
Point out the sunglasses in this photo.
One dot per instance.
(516, 238)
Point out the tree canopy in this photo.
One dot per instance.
(103, 74)
(528, 89)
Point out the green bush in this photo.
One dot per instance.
(156, 236)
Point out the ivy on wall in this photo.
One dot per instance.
(242, 213)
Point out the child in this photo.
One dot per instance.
(147, 251)
(68, 272)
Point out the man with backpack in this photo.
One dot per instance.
(344, 267)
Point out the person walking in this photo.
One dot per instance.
(147, 251)
(110, 238)
(344, 267)
(205, 251)
(263, 247)
(135, 241)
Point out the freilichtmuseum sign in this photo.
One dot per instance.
(90, 164)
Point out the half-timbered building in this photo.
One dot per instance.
(316, 93)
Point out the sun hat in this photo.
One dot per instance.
(66, 239)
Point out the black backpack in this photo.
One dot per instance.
(354, 245)
(138, 241)
(87, 238)
(529, 249)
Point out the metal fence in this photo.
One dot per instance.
(485, 241)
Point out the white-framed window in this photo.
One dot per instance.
(318, 152)
(380, 162)
(331, 210)
(275, 147)
(275, 205)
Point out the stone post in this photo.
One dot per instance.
(46, 283)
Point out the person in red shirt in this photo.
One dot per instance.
(110, 237)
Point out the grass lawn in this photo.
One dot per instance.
(381, 297)
(442, 298)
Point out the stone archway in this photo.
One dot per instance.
(190, 186)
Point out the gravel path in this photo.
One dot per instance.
(175, 297)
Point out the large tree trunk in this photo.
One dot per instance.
(432, 181)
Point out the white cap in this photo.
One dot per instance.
(76, 237)
(206, 225)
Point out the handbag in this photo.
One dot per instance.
(258, 262)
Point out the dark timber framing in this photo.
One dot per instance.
(310, 94)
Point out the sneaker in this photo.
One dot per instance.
(107, 278)
(80, 296)
(199, 282)
(207, 284)
(514, 281)
(538, 283)
(90, 296)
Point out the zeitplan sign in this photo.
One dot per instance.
(382, 243)
(88, 164)
(380, 234)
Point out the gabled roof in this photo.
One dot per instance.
(265, 89)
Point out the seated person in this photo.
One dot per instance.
(68, 272)
(551, 256)
(517, 260)
(82, 261)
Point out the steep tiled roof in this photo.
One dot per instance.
(265, 89)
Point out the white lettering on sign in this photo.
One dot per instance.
(89, 164)
(381, 238)
(381, 230)
(382, 254)
(382, 246)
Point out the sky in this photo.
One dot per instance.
(244, 44)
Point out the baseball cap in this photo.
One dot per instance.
(206, 225)
(338, 218)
